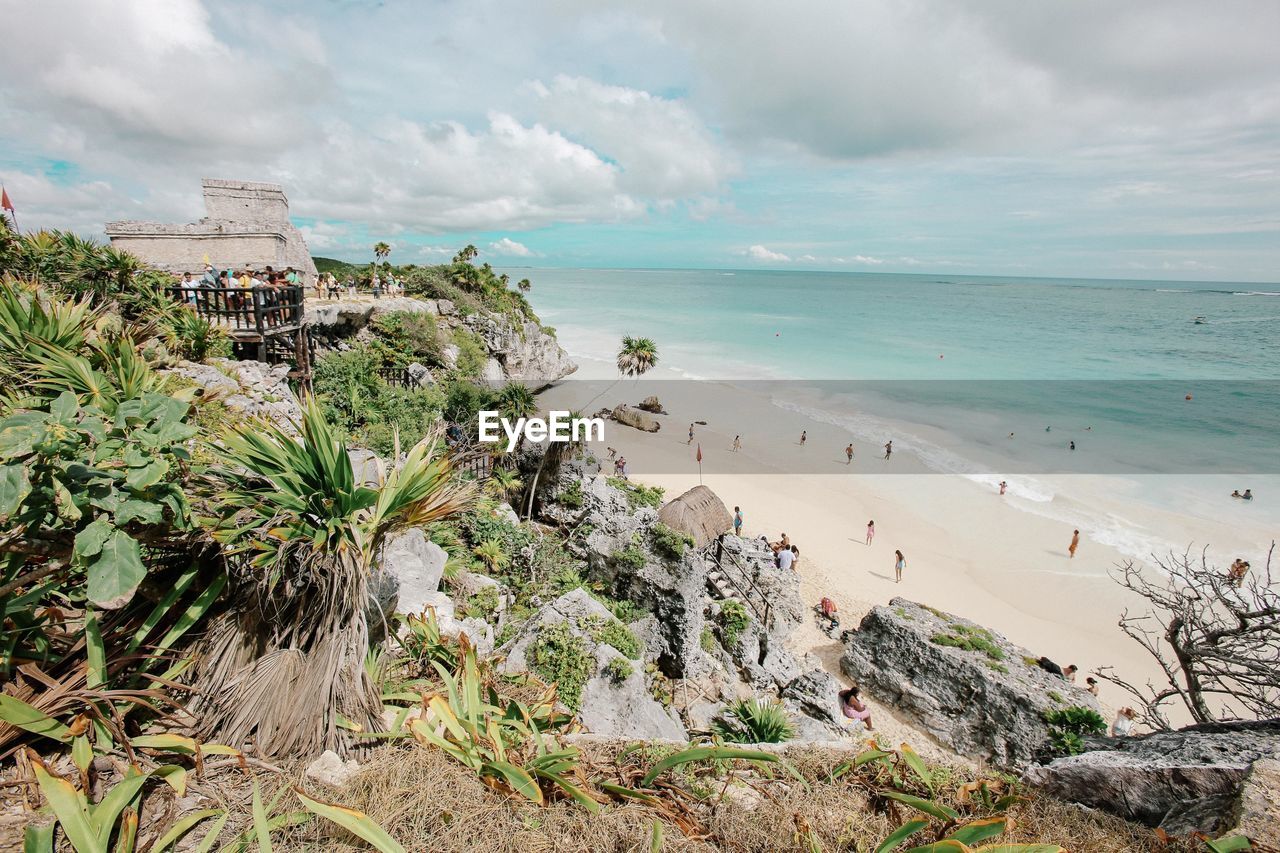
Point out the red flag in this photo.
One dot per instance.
(699, 453)
(5, 204)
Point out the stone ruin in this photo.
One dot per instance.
(247, 225)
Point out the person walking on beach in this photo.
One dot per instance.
(848, 452)
(888, 449)
(690, 434)
(1003, 486)
(899, 563)
(1075, 543)
(804, 436)
(737, 443)
(737, 521)
(871, 530)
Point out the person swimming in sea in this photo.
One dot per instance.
(1072, 446)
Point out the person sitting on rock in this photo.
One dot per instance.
(1123, 724)
(854, 708)
(1070, 673)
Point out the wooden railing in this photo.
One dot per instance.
(743, 582)
(395, 376)
(250, 311)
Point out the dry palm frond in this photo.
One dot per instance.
(285, 666)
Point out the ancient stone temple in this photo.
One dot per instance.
(247, 225)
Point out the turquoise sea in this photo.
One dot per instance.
(968, 359)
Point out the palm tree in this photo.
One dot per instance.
(381, 250)
(515, 400)
(524, 284)
(635, 358)
(503, 483)
(284, 665)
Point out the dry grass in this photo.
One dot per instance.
(429, 802)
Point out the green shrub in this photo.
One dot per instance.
(707, 640)
(970, 639)
(753, 721)
(560, 657)
(618, 670)
(670, 543)
(472, 355)
(407, 336)
(368, 409)
(631, 558)
(638, 496)
(733, 621)
(482, 605)
(572, 496)
(1068, 726)
(618, 636)
(995, 666)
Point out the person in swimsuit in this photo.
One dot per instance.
(888, 449)
(1075, 543)
(804, 436)
(737, 443)
(899, 563)
(737, 521)
(1003, 486)
(871, 531)
(853, 708)
(848, 452)
(690, 434)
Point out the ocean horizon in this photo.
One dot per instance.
(949, 366)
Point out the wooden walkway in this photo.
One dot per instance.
(264, 323)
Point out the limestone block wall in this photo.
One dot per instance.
(181, 253)
(245, 201)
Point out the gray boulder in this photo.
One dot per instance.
(813, 699)
(635, 418)
(420, 376)
(416, 564)
(673, 590)
(625, 708)
(1181, 780)
(699, 513)
(621, 708)
(252, 388)
(968, 687)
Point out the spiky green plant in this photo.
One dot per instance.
(285, 664)
(754, 721)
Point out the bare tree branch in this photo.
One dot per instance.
(1214, 634)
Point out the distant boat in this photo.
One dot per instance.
(1200, 321)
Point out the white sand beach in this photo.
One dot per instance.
(968, 551)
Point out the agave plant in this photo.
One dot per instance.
(285, 665)
(754, 721)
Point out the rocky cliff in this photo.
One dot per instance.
(519, 351)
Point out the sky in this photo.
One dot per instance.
(1086, 138)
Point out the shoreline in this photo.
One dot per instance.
(968, 552)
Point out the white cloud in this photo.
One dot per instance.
(661, 146)
(507, 247)
(760, 253)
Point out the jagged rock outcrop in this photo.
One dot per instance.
(620, 556)
(415, 564)
(651, 405)
(635, 418)
(518, 350)
(609, 704)
(813, 700)
(524, 352)
(968, 687)
(699, 512)
(253, 388)
(1182, 780)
